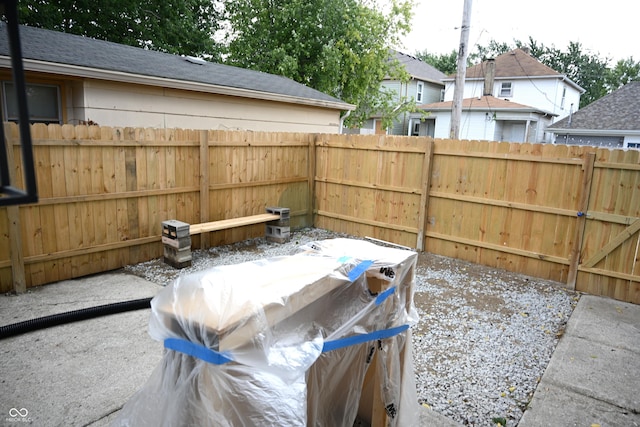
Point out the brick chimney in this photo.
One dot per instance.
(489, 77)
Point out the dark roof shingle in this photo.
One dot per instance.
(62, 48)
(619, 110)
(419, 69)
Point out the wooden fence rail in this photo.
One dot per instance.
(564, 213)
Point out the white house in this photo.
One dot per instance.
(484, 118)
(75, 80)
(513, 97)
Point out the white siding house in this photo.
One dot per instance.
(513, 97)
(485, 118)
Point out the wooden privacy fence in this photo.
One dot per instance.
(564, 213)
(104, 193)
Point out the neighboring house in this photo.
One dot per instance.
(484, 118)
(425, 86)
(76, 80)
(611, 121)
(513, 97)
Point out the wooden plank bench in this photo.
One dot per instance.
(176, 235)
(225, 224)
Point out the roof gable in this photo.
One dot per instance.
(61, 48)
(619, 110)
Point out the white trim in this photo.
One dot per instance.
(119, 76)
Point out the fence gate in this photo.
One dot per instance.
(610, 250)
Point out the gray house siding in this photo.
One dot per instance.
(422, 74)
(430, 93)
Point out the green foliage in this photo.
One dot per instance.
(625, 71)
(484, 52)
(586, 70)
(445, 62)
(174, 26)
(339, 47)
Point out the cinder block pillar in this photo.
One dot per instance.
(177, 243)
(278, 230)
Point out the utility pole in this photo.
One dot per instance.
(458, 90)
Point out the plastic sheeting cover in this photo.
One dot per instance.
(316, 338)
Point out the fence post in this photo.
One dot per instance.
(204, 185)
(581, 221)
(424, 197)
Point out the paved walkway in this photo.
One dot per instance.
(82, 373)
(594, 375)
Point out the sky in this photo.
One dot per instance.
(607, 28)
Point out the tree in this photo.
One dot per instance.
(339, 47)
(585, 69)
(445, 62)
(625, 71)
(491, 51)
(174, 26)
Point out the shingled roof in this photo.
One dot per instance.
(419, 69)
(488, 103)
(79, 56)
(516, 63)
(619, 110)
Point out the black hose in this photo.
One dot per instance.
(73, 316)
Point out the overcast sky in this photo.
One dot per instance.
(609, 28)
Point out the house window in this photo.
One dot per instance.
(419, 92)
(564, 96)
(43, 102)
(506, 89)
(441, 95)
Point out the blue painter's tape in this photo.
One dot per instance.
(196, 350)
(359, 269)
(359, 339)
(383, 296)
(216, 358)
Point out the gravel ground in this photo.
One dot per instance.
(484, 338)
